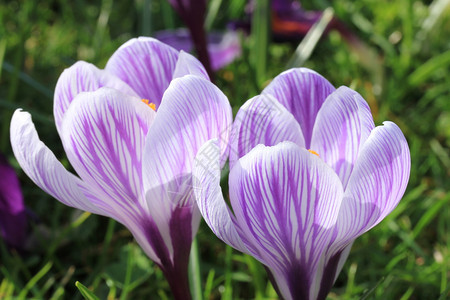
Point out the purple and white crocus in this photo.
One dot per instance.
(131, 132)
(298, 211)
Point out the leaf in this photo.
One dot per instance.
(422, 73)
(34, 280)
(85, 292)
(444, 295)
(260, 37)
(309, 42)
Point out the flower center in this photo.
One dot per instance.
(314, 152)
(150, 104)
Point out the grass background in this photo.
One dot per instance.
(403, 73)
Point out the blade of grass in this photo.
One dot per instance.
(256, 271)
(112, 289)
(429, 216)
(103, 256)
(214, 6)
(138, 282)
(309, 42)
(443, 229)
(445, 294)
(168, 15)
(30, 284)
(60, 290)
(407, 294)
(37, 116)
(440, 152)
(12, 94)
(52, 248)
(209, 284)
(28, 80)
(128, 273)
(195, 279)
(437, 10)
(146, 22)
(407, 17)
(2, 54)
(16, 285)
(260, 38)
(349, 290)
(228, 293)
(102, 25)
(423, 72)
(372, 290)
(6, 288)
(87, 294)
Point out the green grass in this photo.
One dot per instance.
(403, 73)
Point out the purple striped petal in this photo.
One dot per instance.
(302, 92)
(263, 120)
(146, 65)
(343, 124)
(286, 201)
(377, 183)
(187, 64)
(103, 134)
(192, 112)
(41, 165)
(330, 266)
(82, 77)
(208, 194)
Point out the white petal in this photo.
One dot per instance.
(41, 165)
(286, 201)
(208, 194)
(103, 134)
(343, 124)
(377, 183)
(262, 120)
(188, 64)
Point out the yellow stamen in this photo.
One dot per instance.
(150, 104)
(314, 152)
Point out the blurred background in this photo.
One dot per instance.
(396, 54)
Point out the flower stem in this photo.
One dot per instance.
(194, 272)
(179, 283)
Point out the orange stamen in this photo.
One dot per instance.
(150, 104)
(314, 152)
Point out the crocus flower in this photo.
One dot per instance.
(13, 220)
(223, 48)
(193, 14)
(131, 132)
(298, 211)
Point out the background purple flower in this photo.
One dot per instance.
(13, 220)
(193, 14)
(223, 48)
(297, 211)
(290, 22)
